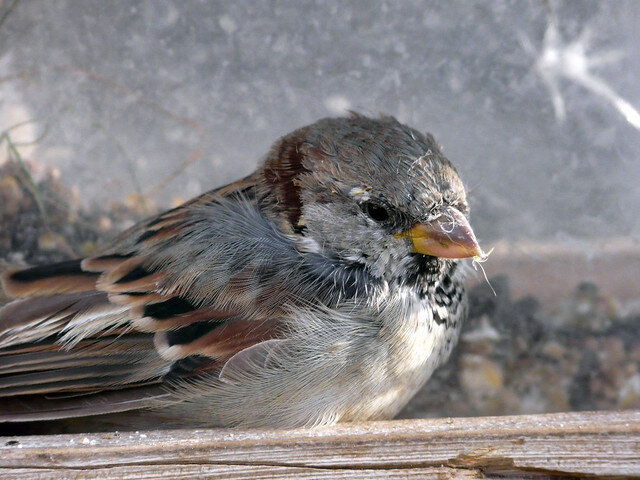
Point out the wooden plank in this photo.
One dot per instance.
(569, 444)
(241, 472)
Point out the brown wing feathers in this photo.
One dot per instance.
(76, 342)
(49, 279)
(100, 327)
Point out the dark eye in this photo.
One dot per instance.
(376, 211)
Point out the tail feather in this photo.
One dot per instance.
(62, 336)
(36, 318)
(24, 311)
(108, 350)
(62, 277)
(59, 359)
(29, 409)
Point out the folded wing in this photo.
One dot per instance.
(131, 327)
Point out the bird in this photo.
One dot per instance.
(325, 287)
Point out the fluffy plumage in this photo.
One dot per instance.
(324, 287)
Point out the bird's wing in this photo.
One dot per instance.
(169, 302)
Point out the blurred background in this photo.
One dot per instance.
(110, 111)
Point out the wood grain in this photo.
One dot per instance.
(601, 444)
(237, 472)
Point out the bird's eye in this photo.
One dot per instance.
(376, 211)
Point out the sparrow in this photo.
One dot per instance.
(324, 287)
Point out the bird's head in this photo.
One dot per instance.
(368, 191)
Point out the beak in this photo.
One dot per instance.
(448, 236)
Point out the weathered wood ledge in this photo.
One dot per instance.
(594, 444)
